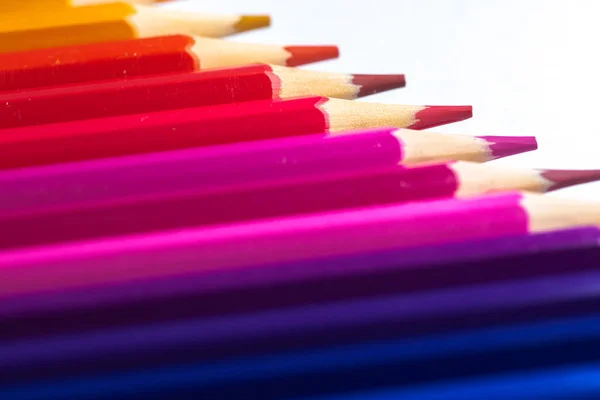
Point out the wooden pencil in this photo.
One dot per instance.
(204, 206)
(290, 239)
(113, 21)
(37, 5)
(216, 166)
(175, 359)
(183, 90)
(260, 287)
(572, 381)
(205, 126)
(333, 335)
(147, 56)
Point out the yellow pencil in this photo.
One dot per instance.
(24, 30)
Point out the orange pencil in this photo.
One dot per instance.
(25, 30)
(14, 5)
(139, 57)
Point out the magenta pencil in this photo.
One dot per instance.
(65, 185)
(296, 238)
(266, 199)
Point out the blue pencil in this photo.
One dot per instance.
(569, 382)
(400, 361)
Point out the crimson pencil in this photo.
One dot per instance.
(253, 287)
(147, 56)
(289, 239)
(210, 205)
(184, 90)
(216, 166)
(205, 126)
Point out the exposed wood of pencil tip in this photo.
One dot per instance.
(124, 20)
(348, 115)
(478, 178)
(481, 178)
(214, 53)
(420, 146)
(295, 82)
(150, 21)
(550, 213)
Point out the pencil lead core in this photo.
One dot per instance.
(439, 115)
(300, 55)
(372, 84)
(561, 178)
(504, 146)
(251, 22)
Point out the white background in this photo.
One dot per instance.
(528, 67)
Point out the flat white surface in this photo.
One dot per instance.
(528, 67)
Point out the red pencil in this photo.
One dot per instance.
(204, 206)
(184, 90)
(205, 126)
(148, 56)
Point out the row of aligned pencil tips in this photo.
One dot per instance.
(187, 216)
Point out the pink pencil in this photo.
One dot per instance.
(216, 166)
(296, 238)
(270, 198)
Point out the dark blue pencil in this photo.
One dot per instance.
(337, 369)
(389, 318)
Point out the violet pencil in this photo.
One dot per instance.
(261, 287)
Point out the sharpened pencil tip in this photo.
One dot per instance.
(563, 178)
(250, 22)
(372, 84)
(300, 55)
(504, 146)
(439, 115)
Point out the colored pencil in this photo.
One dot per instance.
(288, 239)
(148, 56)
(261, 287)
(205, 126)
(113, 21)
(248, 353)
(202, 206)
(34, 5)
(183, 90)
(578, 381)
(68, 184)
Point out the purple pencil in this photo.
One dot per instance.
(287, 239)
(100, 180)
(265, 286)
(208, 340)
